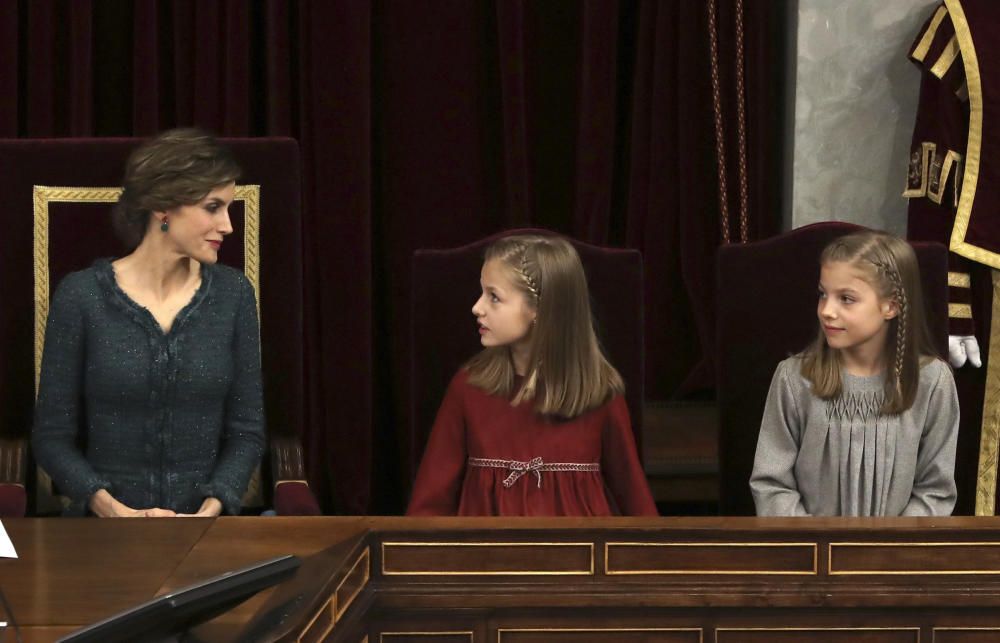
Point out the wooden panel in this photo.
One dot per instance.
(710, 558)
(514, 558)
(966, 635)
(914, 558)
(353, 583)
(618, 635)
(818, 635)
(75, 571)
(426, 637)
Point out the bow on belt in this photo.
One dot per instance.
(518, 469)
(534, 465)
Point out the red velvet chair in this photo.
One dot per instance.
(56, 220)
(445, 285)
(767, 311)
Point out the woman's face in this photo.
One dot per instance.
(197, 230)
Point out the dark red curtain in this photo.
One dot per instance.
(431, 124)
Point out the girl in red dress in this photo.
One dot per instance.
(536, 423)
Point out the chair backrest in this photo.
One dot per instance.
(59, 194)
(767, 311)
(445, 285)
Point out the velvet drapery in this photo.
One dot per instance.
(431, 124)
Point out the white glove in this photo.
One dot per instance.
(962, 348)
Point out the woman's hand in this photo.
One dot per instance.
(211, 508)
(105, 505)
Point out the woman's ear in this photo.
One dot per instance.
(890, 309)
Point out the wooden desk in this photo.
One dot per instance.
(670, 580)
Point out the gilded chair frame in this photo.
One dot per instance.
(46, 500)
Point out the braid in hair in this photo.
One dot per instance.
(892, 273)
(522, 270)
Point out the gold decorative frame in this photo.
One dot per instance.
(713, 572)
(817, 629)
(488, 573)
(909, 572)
(935, 630)
(333, 608)
(42, 196)
(382, 635)
(513, 630)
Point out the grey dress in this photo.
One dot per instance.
(158, 419)
(844, 458)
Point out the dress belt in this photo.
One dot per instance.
(535, 466)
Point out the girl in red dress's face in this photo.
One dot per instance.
(504, 313)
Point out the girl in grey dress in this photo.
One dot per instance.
(864, 422)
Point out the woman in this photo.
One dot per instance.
(156, 355)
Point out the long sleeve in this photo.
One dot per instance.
(439, 480)
(934, 492)
(775, 491)
(243, 425)
(620, 463)
(58, 411)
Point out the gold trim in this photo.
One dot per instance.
(950, 158)
(470, 634)
(250, 195)
(909, 572)
(989, 437)
(281, 482)
(959, 280)
(329, 605)
(927, 151)
(664, 572)
(340, 609)
(925, 41)
(816, 629)
(488, 573)
(699, 630)
(973, 149)
(935, 630)
(960, 311)
(947, 58)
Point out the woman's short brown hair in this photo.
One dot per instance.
(178, 167)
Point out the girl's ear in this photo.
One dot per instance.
(890, 308)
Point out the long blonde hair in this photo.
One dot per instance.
(568, 373)
(890, 266)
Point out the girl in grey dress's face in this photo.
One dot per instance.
(854, 318)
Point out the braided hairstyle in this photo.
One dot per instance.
(889, 265)
(568, 373)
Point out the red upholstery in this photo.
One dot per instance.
(13, 500)
(445, 286)
(79, 232)
(766, 312)
(294, 498)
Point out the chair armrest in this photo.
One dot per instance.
(292, 495)
(13, 475)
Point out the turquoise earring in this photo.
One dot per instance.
(164, 226)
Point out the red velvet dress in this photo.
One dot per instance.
(473, 424)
